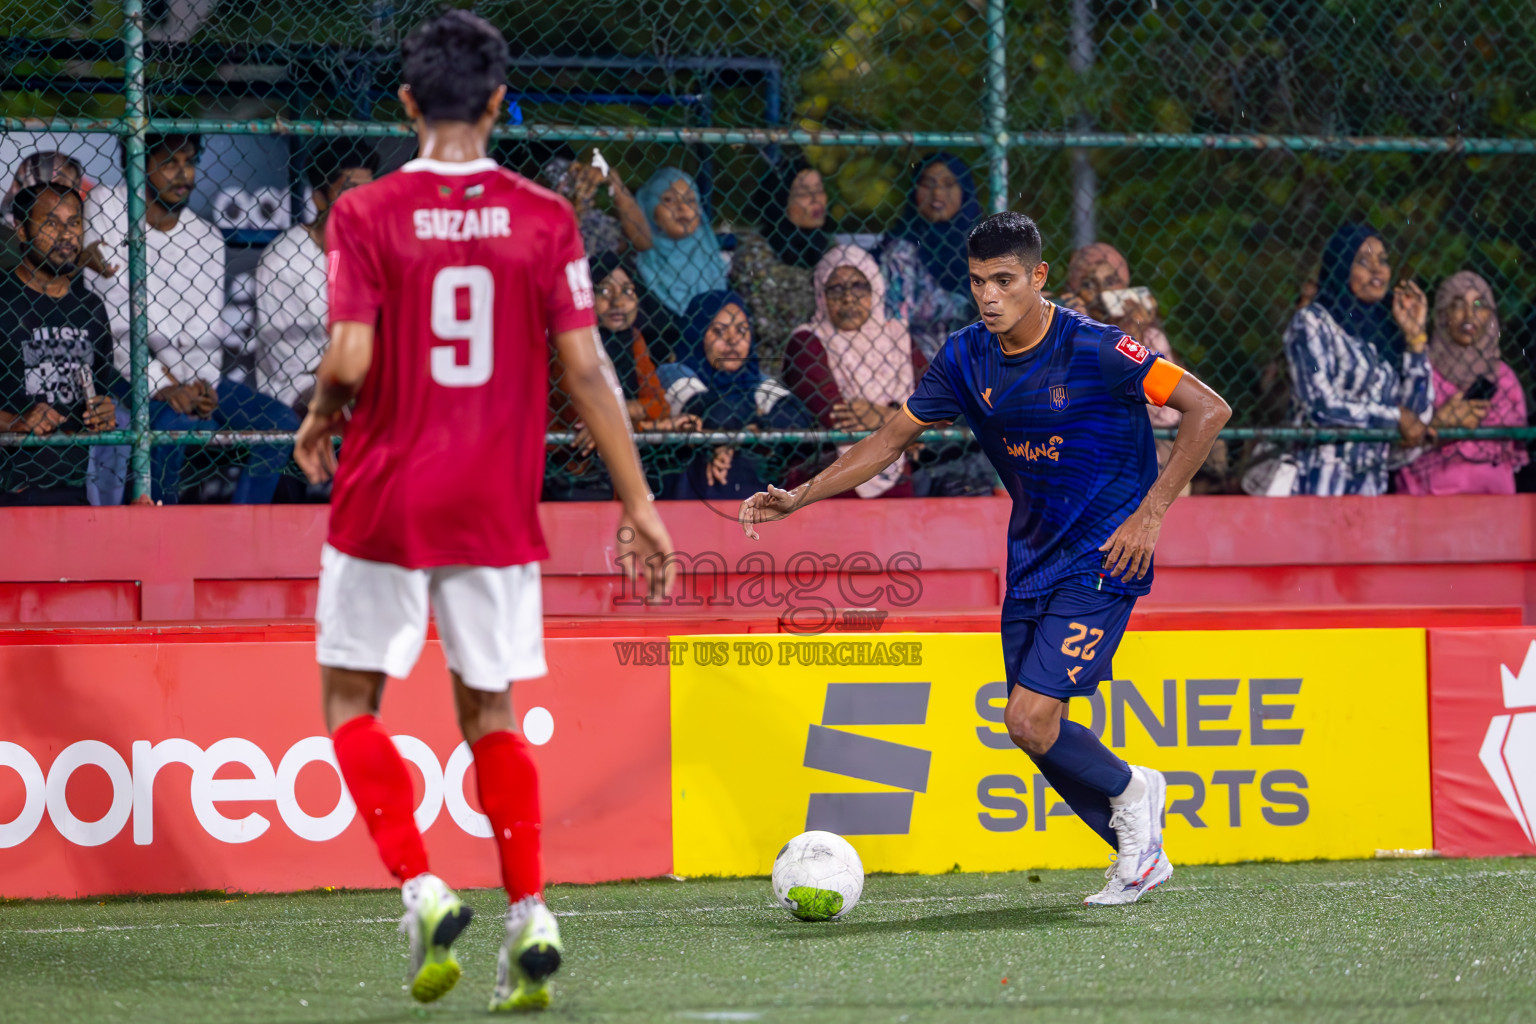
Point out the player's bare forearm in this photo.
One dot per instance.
(594, 388)
(1204, 413)
(866, 460)
(1128, 551)
(342, 369)
(862, 462)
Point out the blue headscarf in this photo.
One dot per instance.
(942, 245)
(1371, 322)
(732, 400)
(675, 270)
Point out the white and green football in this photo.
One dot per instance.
(818, 876)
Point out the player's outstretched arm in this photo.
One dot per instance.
(862, 462)
(337, 380)
(1128, 552)
(594, 389)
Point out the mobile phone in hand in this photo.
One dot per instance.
(598, 162)
(1114, 300)
(85, 386)
(1481, 390)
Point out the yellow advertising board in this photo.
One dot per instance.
(1275, 743)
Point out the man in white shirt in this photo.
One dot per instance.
(290, 280)
(185, 267)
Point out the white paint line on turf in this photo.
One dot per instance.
(280, 923)
(759, 907)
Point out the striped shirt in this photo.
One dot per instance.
(1339, 380)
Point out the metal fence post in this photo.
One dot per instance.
(134, 126)
(997, 105)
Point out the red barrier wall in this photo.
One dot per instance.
(222, 562)
(245, 711)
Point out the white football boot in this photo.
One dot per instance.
(1131, 819)
(1117, 893)
(1142, 864)
(1157, 796)
(530, 954)
(434, 917)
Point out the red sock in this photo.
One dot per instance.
(509, 792)
(380, 785)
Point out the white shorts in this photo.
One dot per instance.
(372, 617)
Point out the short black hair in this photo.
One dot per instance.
(1006, 234)
(329, 159)
(453, 63)
(25, 200)
(167, 143)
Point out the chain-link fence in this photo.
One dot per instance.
(775, 197)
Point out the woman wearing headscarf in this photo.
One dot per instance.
(924, 259)
(1358, 361)
(717, 380)
(572, 473)
(772, 266)
(1473, 387)
(684, 260)
(851, 364)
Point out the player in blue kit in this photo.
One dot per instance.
(1057, 402)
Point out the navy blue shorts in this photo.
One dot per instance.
(1061, 643)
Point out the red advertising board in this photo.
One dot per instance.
(163, 767)
(1482, 722)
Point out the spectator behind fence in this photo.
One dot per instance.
(1473, 387)
(923, 259)
(684, 260)
(290, 279)
(718, 381)
(184, 266)
(600, 232)
(55, 351)
(572, 474)
(1099, 285)
(772, 266)
(852, 365)
(1344, 372)
(36, 169)
(1100, 268)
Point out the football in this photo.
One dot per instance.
(818, 876)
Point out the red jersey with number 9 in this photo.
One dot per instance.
(465, 270)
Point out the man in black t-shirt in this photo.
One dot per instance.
(55, 352)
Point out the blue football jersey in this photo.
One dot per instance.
(1065, 424)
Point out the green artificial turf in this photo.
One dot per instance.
(1356, 941)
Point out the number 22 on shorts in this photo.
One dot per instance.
(1073, 646)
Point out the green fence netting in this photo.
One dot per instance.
(820, 162)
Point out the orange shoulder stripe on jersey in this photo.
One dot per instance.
(921, 423)
(1161, 380)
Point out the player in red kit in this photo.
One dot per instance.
(448, 280)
